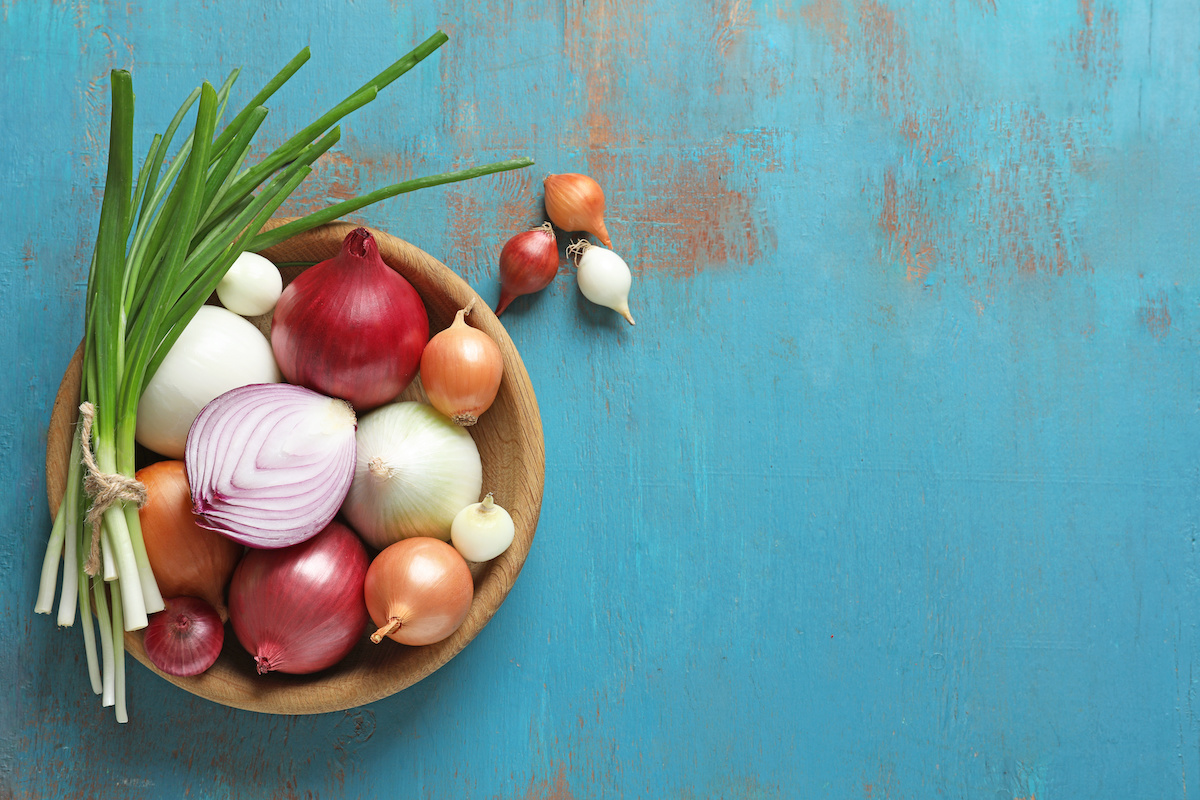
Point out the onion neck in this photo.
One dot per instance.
(379, 468)
(392, 625)
(360, 244)
(360, 251)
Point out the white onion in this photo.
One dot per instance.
(251, 287)
(217, 351)
(603, 277)
(482, 531)
(270, 464)
(415, 471)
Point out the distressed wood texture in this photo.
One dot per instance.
(894, 490)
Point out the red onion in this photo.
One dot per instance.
(270, 463)
(300, 609)
(418, 591)
(351, 327)
(528, 263)
(184, 638)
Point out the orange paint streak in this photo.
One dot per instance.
(1155, 316)
(554, 789)
(691, 219)
(906, 225)
(885, 53)
(828, 16)
(1017, 209)
(1097, 43)
(338, 176)
(870, 38)
(600, 39)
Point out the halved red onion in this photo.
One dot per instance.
(270, 463)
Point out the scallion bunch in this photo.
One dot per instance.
(166, 238)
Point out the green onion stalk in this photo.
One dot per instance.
(167, 235)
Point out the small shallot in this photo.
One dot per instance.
(251, 287)
(603, 276)
(528, 263)
(575, 202)
(418, 591)
(482, 531)
(461, 370)
(185, 638)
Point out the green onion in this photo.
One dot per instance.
(165, 240)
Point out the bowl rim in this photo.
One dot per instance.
(291, 695)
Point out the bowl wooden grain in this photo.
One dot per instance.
(509, 437)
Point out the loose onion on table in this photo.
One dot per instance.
(300, 609)
(351, 327)
(415, 469)
(528, 264)
(576, 202)
(461, 370)
(187, 559)
(270, 464)
(603, 277)
(418, 591)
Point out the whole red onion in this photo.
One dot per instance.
(300, 609)
(528, 263)
(184, 638)
(351, 326)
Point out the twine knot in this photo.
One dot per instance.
(105, 488)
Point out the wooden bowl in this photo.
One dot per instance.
(509, 437)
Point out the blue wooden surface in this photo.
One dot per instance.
(893, 492)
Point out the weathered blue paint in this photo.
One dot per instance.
(892, 492)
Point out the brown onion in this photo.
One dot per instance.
(528, 263)
(461, 370)
(575, 202)
(187, 560)
(418, 591)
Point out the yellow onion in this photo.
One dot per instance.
(418, 591)
(187, 560)
(461, 369)
(575, 202)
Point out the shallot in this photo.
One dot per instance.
(603, 277)
(185, 638)
(575, 202)
(528, 263)
(251, 287)
(482, 531)
(461, 370)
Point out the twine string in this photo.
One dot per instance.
(105, 488)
